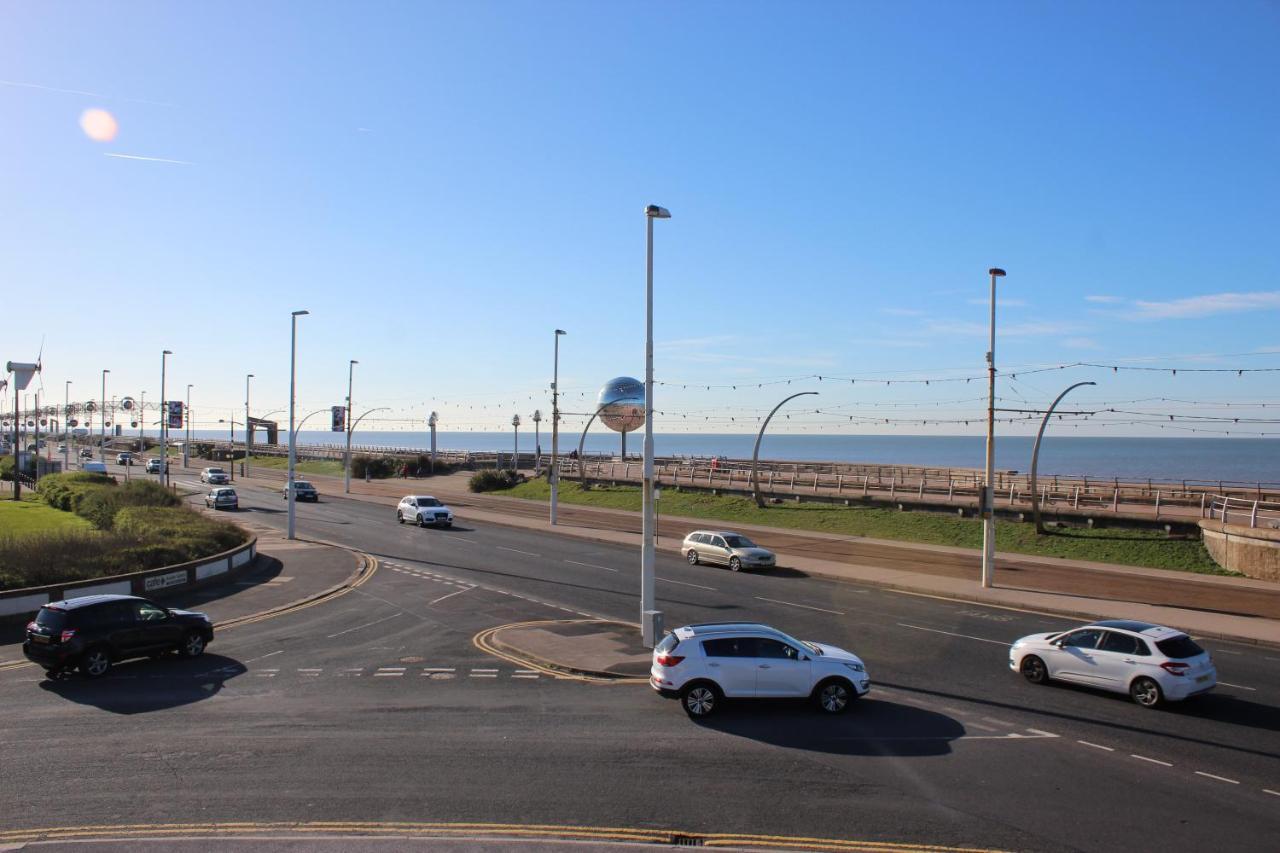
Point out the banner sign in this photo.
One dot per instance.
(175, 414)
(339, 419)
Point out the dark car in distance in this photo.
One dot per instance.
(95, 631)
(302, 491)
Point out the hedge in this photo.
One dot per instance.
(490, 480)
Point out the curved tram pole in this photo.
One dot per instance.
(582, 469)
(1035, 454)
(755, 454)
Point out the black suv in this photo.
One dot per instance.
(93, 632)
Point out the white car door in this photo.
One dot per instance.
(731, 664)
(719, 551)
(1075, 659)
(1117, 660)
(781, 669)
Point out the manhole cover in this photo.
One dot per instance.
(412, 659)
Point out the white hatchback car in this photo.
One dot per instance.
(705, 664)
(424, 510)
(1151, 663)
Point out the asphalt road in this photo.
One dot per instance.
(377, 707)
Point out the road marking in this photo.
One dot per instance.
(517, 551)
(461, 539)
(357, 671)
(1219, 778)
(527, 671)
(694, 585)
(524, 676)
(950, 634)
(1271, 792)
(1268, 657)
(1041, 732)
(1237, 686)
(267, 673)
(1095, 745)
(1152, 760)
(264, 657)
(450, 595)
(972, 724)
(805, 606)
(999, 722)
(1226, 652)
(365, 625)
(592, 565)
(389, 671)
(483, 674)
(312, 672)
(484, 669)
(437, 669)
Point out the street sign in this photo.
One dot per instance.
(175, 414)
(339, 419)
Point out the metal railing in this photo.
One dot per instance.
(1255, 513)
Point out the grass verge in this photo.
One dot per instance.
(1122, 546)
(308, 466)
(32, 515)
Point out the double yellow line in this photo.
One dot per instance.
(472, 830)
(484, 641)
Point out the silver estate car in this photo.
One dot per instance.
(725, 548)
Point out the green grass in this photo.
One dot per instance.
(1123, 546)
(33, 515)
(309, 466)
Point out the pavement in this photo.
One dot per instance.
(378, 713)
(591, 648)
(1241, 609)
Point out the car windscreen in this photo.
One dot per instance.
(739, 542)
(1179, 647)
(51, 620)
(216, 471)
(302, 484)
(429, 502)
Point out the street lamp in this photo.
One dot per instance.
(66, 430)
(537, 442)
(989, 493)
(164, 421)
(346, 459)
(515, 457)
(248, 430)
(186, 446)
(432, 420)
(650, 618)
(102, 443)
(293, 439)
(553, 475)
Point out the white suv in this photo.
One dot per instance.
(424, 510)
(1151, 663)
(704, 664)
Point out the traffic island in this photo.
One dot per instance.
(595, 650)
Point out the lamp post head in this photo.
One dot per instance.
(300, 313)
(167, 352)
(353, 361)
(515, 420)
(431, 419)
(655, 212)
(537, 415)
(996, 271)
(561, 332)
(106, 370)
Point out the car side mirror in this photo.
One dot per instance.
(1057, 644)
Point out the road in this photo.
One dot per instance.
(377, 707)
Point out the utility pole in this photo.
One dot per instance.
(102, 445)
(66, 430)
(346, 459)
(553, 475)
(650, 617)
(989, 494)
(293, 397)
(248, 430)
(164, 421)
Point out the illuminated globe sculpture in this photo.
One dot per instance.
(620, 404)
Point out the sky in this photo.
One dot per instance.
(444, 184)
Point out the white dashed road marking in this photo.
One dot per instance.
(1219, 778)
(517, 551)
(365, 625)
(1237, 686)
(264, 657)
(591, 565)
(950, 634)
(1271, 792)
(1041, 733)
(805, 606)
(437, 669)
(1095, 745)
(1152, 760)
(696, 585)
(450, 595)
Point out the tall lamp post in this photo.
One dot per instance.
(989, 493)
(293, 437)
(553, 474)
(650, 618)
(346, 459)
(66, 430)
(248, 430)
(537, 442)
(102, 444)
(186, 445)
(515, 456)
(432, 420)
(164, 420)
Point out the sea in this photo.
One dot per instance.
(1238, 460)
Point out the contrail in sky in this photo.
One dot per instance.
(149, 159)
(15, 84)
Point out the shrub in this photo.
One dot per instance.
(180, 527)
(67, 491)
(376, 467)
(490, 480)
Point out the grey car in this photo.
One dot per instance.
(222, 498)
(725, 548)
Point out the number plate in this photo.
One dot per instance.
(1202, 679)
(39, 638)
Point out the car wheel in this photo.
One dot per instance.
(422, 521)
(192, 645)
(448, 525)
(692, 557)
(1146, 693)
(700, 699)
(1034, 670)
(95, 662)
(834, 696)
(735, 565)
(399, 517)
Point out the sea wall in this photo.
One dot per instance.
(1252, 551)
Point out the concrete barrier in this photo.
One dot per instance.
(21, 604)
(1252, 551)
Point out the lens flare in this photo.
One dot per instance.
(98, 125)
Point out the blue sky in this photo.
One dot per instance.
(442, 185)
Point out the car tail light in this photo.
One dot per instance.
(1175, 667)
(669, 660)
(67, 635)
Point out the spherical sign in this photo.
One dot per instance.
(621, 404)
(133, 423)
(73, 423)
(126, 403)
(91, 406)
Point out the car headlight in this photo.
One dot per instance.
(856, 667)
